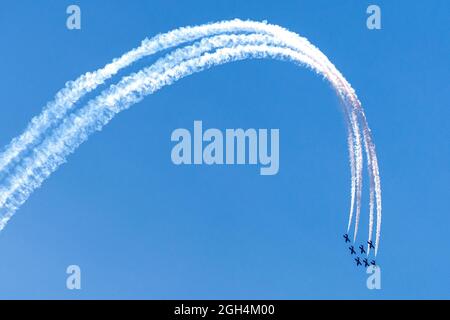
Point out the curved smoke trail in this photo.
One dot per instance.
(75, 128)
(74, 90)
(66, 98)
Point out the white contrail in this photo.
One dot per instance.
(176, 57)
(76, 128)
(74, 90)
(351, 152)
(132, 89)
(161, 65)
(375, 185)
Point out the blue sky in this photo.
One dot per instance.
(141, 227)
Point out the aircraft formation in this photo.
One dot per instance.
(358, 260)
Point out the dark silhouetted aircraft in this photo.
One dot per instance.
(352, 250)
(358, 262)
(346, 238)
(370, 245)
(361, 247)
(366, 263)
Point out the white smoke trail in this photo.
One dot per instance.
(375, 187)
(77, 127)
(350, 144)
(40, 160)
(374, 177)
(74, 90)
(66, 98)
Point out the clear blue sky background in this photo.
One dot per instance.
(141, 227)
